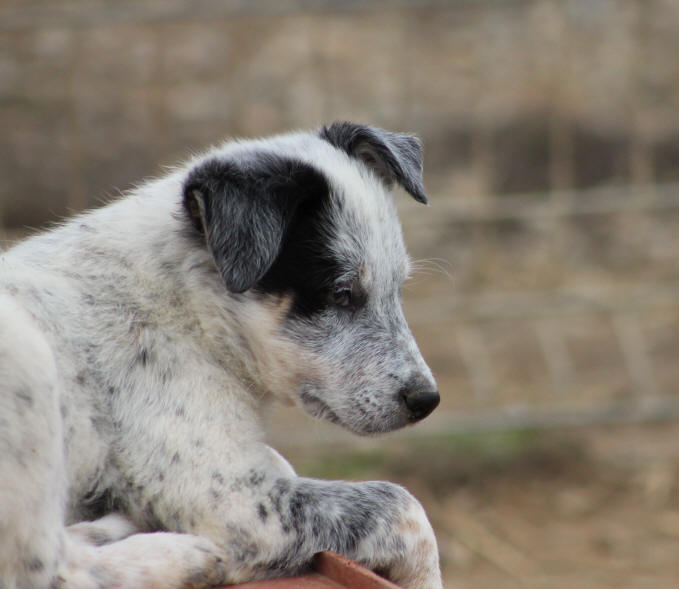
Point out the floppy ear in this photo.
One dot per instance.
(243, 209)
(394, 157)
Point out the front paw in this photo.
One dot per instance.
(405, 549)
(159, 560)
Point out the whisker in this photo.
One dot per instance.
(432, 266)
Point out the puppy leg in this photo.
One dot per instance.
(269, 522)
(109, 552)
(378, 524)
(159, 560)
(33, 483)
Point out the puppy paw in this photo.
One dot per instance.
(160, 560)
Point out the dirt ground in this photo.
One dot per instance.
(586, 508)
(609, 521)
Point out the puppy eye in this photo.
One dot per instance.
(342, 297)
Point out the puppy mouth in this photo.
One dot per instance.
(366, 426)
(319, 408)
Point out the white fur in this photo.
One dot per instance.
(133, 383)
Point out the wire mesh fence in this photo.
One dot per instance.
(548, 293)
(515, 346)
(594, 345)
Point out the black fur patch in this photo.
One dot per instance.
(329, 516)
(306, 268)
(241, 544)
(394, 157)
(256, 478)
(96, 504)
(152, 522)
(244, 208)
(143, 357)
(34, 564)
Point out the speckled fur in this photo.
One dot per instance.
(138, 357)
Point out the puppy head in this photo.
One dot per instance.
(310, 217)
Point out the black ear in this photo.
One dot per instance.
(243, 209)
(394, 157)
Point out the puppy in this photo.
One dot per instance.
(141, 343)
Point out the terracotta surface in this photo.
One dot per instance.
(331, 571)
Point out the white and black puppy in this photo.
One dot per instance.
(141, 343)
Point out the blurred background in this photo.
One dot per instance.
(546, 298)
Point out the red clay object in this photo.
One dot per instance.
(347, 573)
(331, 571)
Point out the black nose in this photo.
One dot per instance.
(421, 403)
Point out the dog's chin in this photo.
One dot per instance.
(374, 428)
(361, 426)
